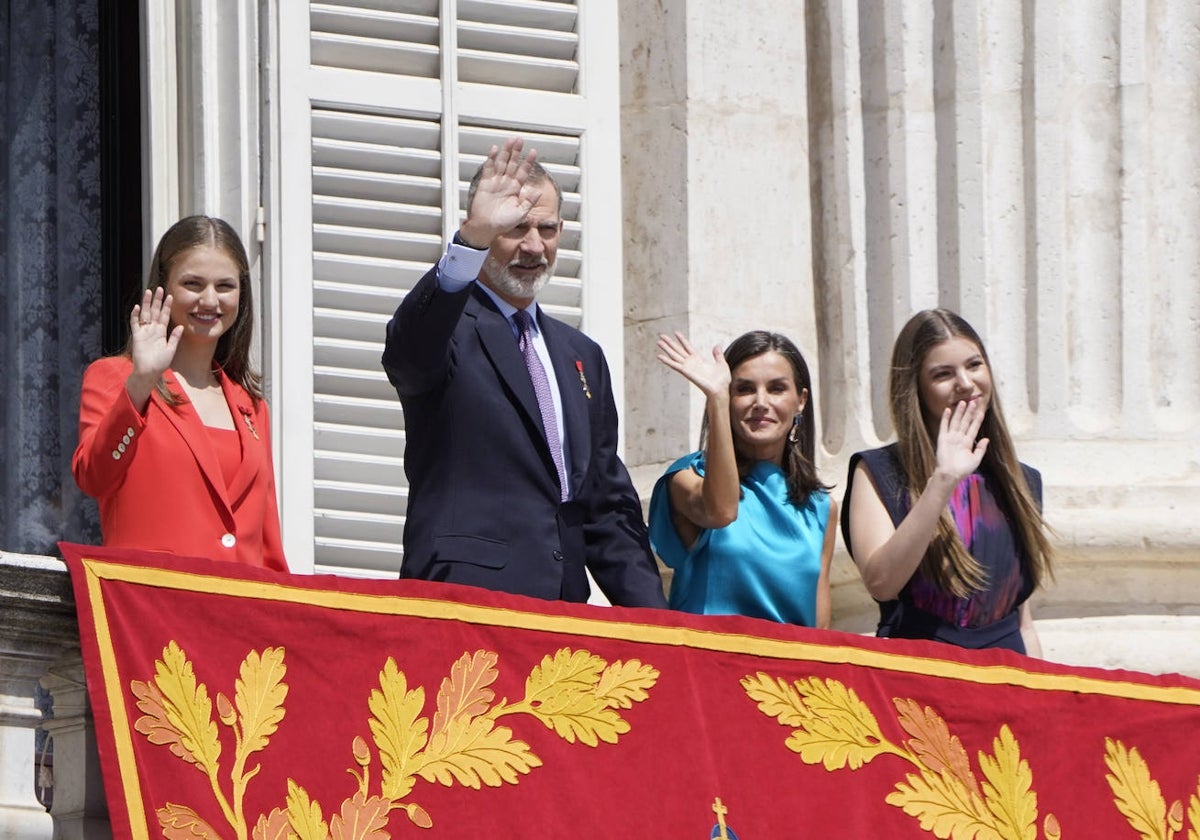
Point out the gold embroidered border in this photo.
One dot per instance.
(642, 633)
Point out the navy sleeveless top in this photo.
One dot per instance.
(986, 619)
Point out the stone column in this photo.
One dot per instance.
(80, 810)
(37, 621)
(715, 188)
(22, 817)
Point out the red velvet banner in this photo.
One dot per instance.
(239, 703)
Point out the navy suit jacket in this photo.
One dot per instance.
(484, 500)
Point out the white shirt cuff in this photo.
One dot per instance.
(459, 267)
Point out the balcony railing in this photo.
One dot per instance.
(39, 645)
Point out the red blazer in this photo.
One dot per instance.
(158, 480)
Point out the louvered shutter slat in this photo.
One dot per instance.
(424, 8)
(384, 218)
(350, 499)
(350, 355)
(354, 297)
(388, 443)
(529, 45)
(369, 157)
(359, 38)
(369, 413)
(515, 40)
(419, 139)
(356, 275)
(493, 69)
(371, 243)
(375, 186)
(540, 14)
(353, 53)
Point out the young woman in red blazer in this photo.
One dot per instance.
(173, 433)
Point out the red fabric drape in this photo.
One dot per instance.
(233, 702)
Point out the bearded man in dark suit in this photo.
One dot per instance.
(510, 424)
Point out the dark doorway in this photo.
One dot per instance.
(120, 168)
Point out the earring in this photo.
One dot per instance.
(794, 434)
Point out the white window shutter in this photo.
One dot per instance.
(529, 44)
(378, 142)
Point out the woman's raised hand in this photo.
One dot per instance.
(710, 375)
(959, 453)
(151, 347)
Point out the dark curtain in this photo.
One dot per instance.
(50, 263)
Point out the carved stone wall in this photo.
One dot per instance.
(1029, 165)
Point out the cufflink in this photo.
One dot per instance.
(458, 240)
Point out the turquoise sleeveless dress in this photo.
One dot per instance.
(764, 564)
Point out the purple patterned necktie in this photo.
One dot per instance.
(541, 387)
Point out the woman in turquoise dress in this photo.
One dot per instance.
(745, 522)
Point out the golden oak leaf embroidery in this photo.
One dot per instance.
(1008, 788)
(1136, 794)
(831, 726)
(260, 692)
(1194, 814)
(362, 818)
(181, 823)
(465, 693)
(624, 683)
(576, 695)
(154, 723)
(1140, 799)
(778, 699)
(475, 750)
(567, 672)
(837, 728)
(943, 806)
(932, 742)
(572, 692)
(304, 815)
(398, 728)
(272, 826)
(177, 712)
(188, 709)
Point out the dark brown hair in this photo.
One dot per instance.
(799, 465)
(947, 561)
(233, 348)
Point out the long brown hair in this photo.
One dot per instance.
(799, 465)
(233, 348)
(947, 561)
